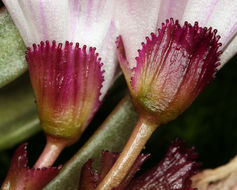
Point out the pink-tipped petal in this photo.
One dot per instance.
(173, 67)
(88, 22)
(66, 80)
(21, 177)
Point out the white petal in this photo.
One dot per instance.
(224, 19)
(229, 51)
(137, 19)
(30, 18)
(171, 9)
(109, 58)
(220, 15)
(87, 22)
(200, 11)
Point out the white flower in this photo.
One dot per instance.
(138, 18)
(220, 15)
(88, 22)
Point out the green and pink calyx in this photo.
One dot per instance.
(173, 67)
(66, 82)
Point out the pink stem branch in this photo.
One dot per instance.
(50, 154)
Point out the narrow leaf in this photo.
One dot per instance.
(12, 50)
(18, 115)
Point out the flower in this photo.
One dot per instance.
(142, 18)
(67, 82)
(220, 15)
(171, 70)
(213, 14)
(73, 64)
(89, 23)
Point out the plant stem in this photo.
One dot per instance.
(140, 135)
(51, 152)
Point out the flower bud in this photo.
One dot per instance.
(173, 67)
(66, 82)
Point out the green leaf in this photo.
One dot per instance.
(112, 136)
(12, 50)
(18, 115)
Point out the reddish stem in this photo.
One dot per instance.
(132, 149)
(50, 154)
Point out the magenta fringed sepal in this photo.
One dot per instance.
(172, 68)
(21, 177)
(66, 80)
(90, 178)
(173, 172)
